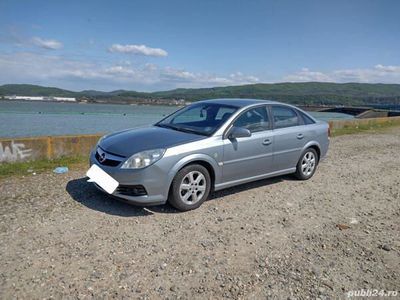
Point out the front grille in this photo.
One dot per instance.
(131, 190)
(107, 162)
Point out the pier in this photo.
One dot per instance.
(357, 112)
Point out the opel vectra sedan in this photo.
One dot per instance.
(208, 146)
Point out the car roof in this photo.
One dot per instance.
(239, 102)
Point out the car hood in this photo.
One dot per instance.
(128, 142)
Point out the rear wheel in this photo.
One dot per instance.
(307, 164)
(190, 187)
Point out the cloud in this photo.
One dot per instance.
(376, 74)
(388, 69)
(31, 67)
(55, 69)
(239, 77)
(150, 67)
(51, 69)
(172, 74)
(119, 71)
(138, 49)
(190, 79)
(306, 75)
(47, 44)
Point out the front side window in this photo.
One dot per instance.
(284, 117)
(255, 119)
(201, 118)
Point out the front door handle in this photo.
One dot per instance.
(266, 142)
(300, 136)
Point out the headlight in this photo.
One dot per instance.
(143, 159)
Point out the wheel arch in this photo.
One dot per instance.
(206, 165)
(314, 145)
(204, 160)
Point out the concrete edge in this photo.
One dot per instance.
(50, 147)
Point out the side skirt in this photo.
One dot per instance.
(228, 184)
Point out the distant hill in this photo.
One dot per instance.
(33, 90)
(296, 93)
(299, 93)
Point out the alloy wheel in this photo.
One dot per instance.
(308, 163)
(192, 187)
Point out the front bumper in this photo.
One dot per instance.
(154, 180)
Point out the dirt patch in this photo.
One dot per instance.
(339, 231)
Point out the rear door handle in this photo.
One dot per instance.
(266, 142)
(300, 136)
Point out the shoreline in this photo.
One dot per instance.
(94, 102)
(308, 107)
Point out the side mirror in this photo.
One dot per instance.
(238, 132)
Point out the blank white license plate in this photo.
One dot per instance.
(105, 181)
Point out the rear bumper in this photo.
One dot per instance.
(153, 179)
(324, 150)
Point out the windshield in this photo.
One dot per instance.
(201, 118)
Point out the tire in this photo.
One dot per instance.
(190, 188)
(307, 164)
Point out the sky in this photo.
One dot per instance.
(159, 45)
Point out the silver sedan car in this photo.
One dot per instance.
(208, 146)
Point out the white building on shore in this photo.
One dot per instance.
(40, 98)
(64, 98)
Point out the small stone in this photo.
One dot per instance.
(353, 221)
(342, 226)
(385, 247)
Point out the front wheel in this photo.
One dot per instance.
(190, 188)
(307, 164)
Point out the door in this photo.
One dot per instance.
(249, 156)
(289, 137)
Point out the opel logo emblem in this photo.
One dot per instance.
(102, 157)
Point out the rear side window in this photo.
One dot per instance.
(255, 119)
(284, 117)
(307, 120)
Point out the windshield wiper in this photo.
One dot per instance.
(182, 129)
(166, 126)
(190, 130)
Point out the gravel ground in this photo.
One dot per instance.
(277, 238)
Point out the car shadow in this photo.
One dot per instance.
(88, 195)
(249, 186)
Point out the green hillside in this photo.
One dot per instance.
(33, 90)
(301, 93)
(297, 93)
